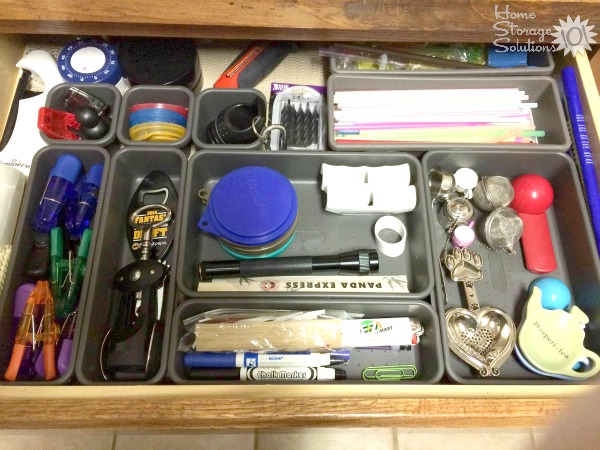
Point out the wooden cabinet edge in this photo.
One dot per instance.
(11, 50)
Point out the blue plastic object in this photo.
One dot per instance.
(506, 59)
(81, 213)
(156, 115)
(528, 366)
(251, 206)
(555, 293)
(98, 54)
(60, 183)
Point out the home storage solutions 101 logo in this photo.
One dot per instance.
(572, 36)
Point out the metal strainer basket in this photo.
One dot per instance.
(503, 229)
(493, 192)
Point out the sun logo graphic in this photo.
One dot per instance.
(574, 36)
(370, 326)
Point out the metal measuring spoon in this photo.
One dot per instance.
(482, 337)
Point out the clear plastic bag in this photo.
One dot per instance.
(254, 330)
(468, 53)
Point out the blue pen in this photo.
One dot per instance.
(584, 153)
(195, 360)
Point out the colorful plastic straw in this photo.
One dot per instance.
(435, 115)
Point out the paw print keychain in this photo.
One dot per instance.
(482, 337)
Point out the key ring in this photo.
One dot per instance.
(265, 137)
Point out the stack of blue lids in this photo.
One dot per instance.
(253, 212)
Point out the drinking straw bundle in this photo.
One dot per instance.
(472, 116)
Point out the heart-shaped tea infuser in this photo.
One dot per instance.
(485, 337)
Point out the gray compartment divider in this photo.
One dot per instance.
(545, 67)
(426, 356)
(177, 95)
(129, 167)
(548, 116)
(43, 161)
(109, 94)
(207, 106)
(506, 281)
(318, 232)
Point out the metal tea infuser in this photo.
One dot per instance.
(502, 229)
(456, 211)
(493, 192)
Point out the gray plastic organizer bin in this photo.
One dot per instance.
(108, 93)
(548, 116)
(506, 282)
(318, 232)
(129, 167)
(544, 61)
(426, 356)
(43, 161)
(136, 95)
(207, 106)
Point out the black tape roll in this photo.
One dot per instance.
(233, 125)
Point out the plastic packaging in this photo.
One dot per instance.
(244, 316)
(301, 110)
(296, 331)
(422, 57)
(471, 53)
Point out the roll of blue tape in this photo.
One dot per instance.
(90, 61)
(156, 115)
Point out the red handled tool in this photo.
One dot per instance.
(254, 64)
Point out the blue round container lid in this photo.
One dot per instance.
(251, 206)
